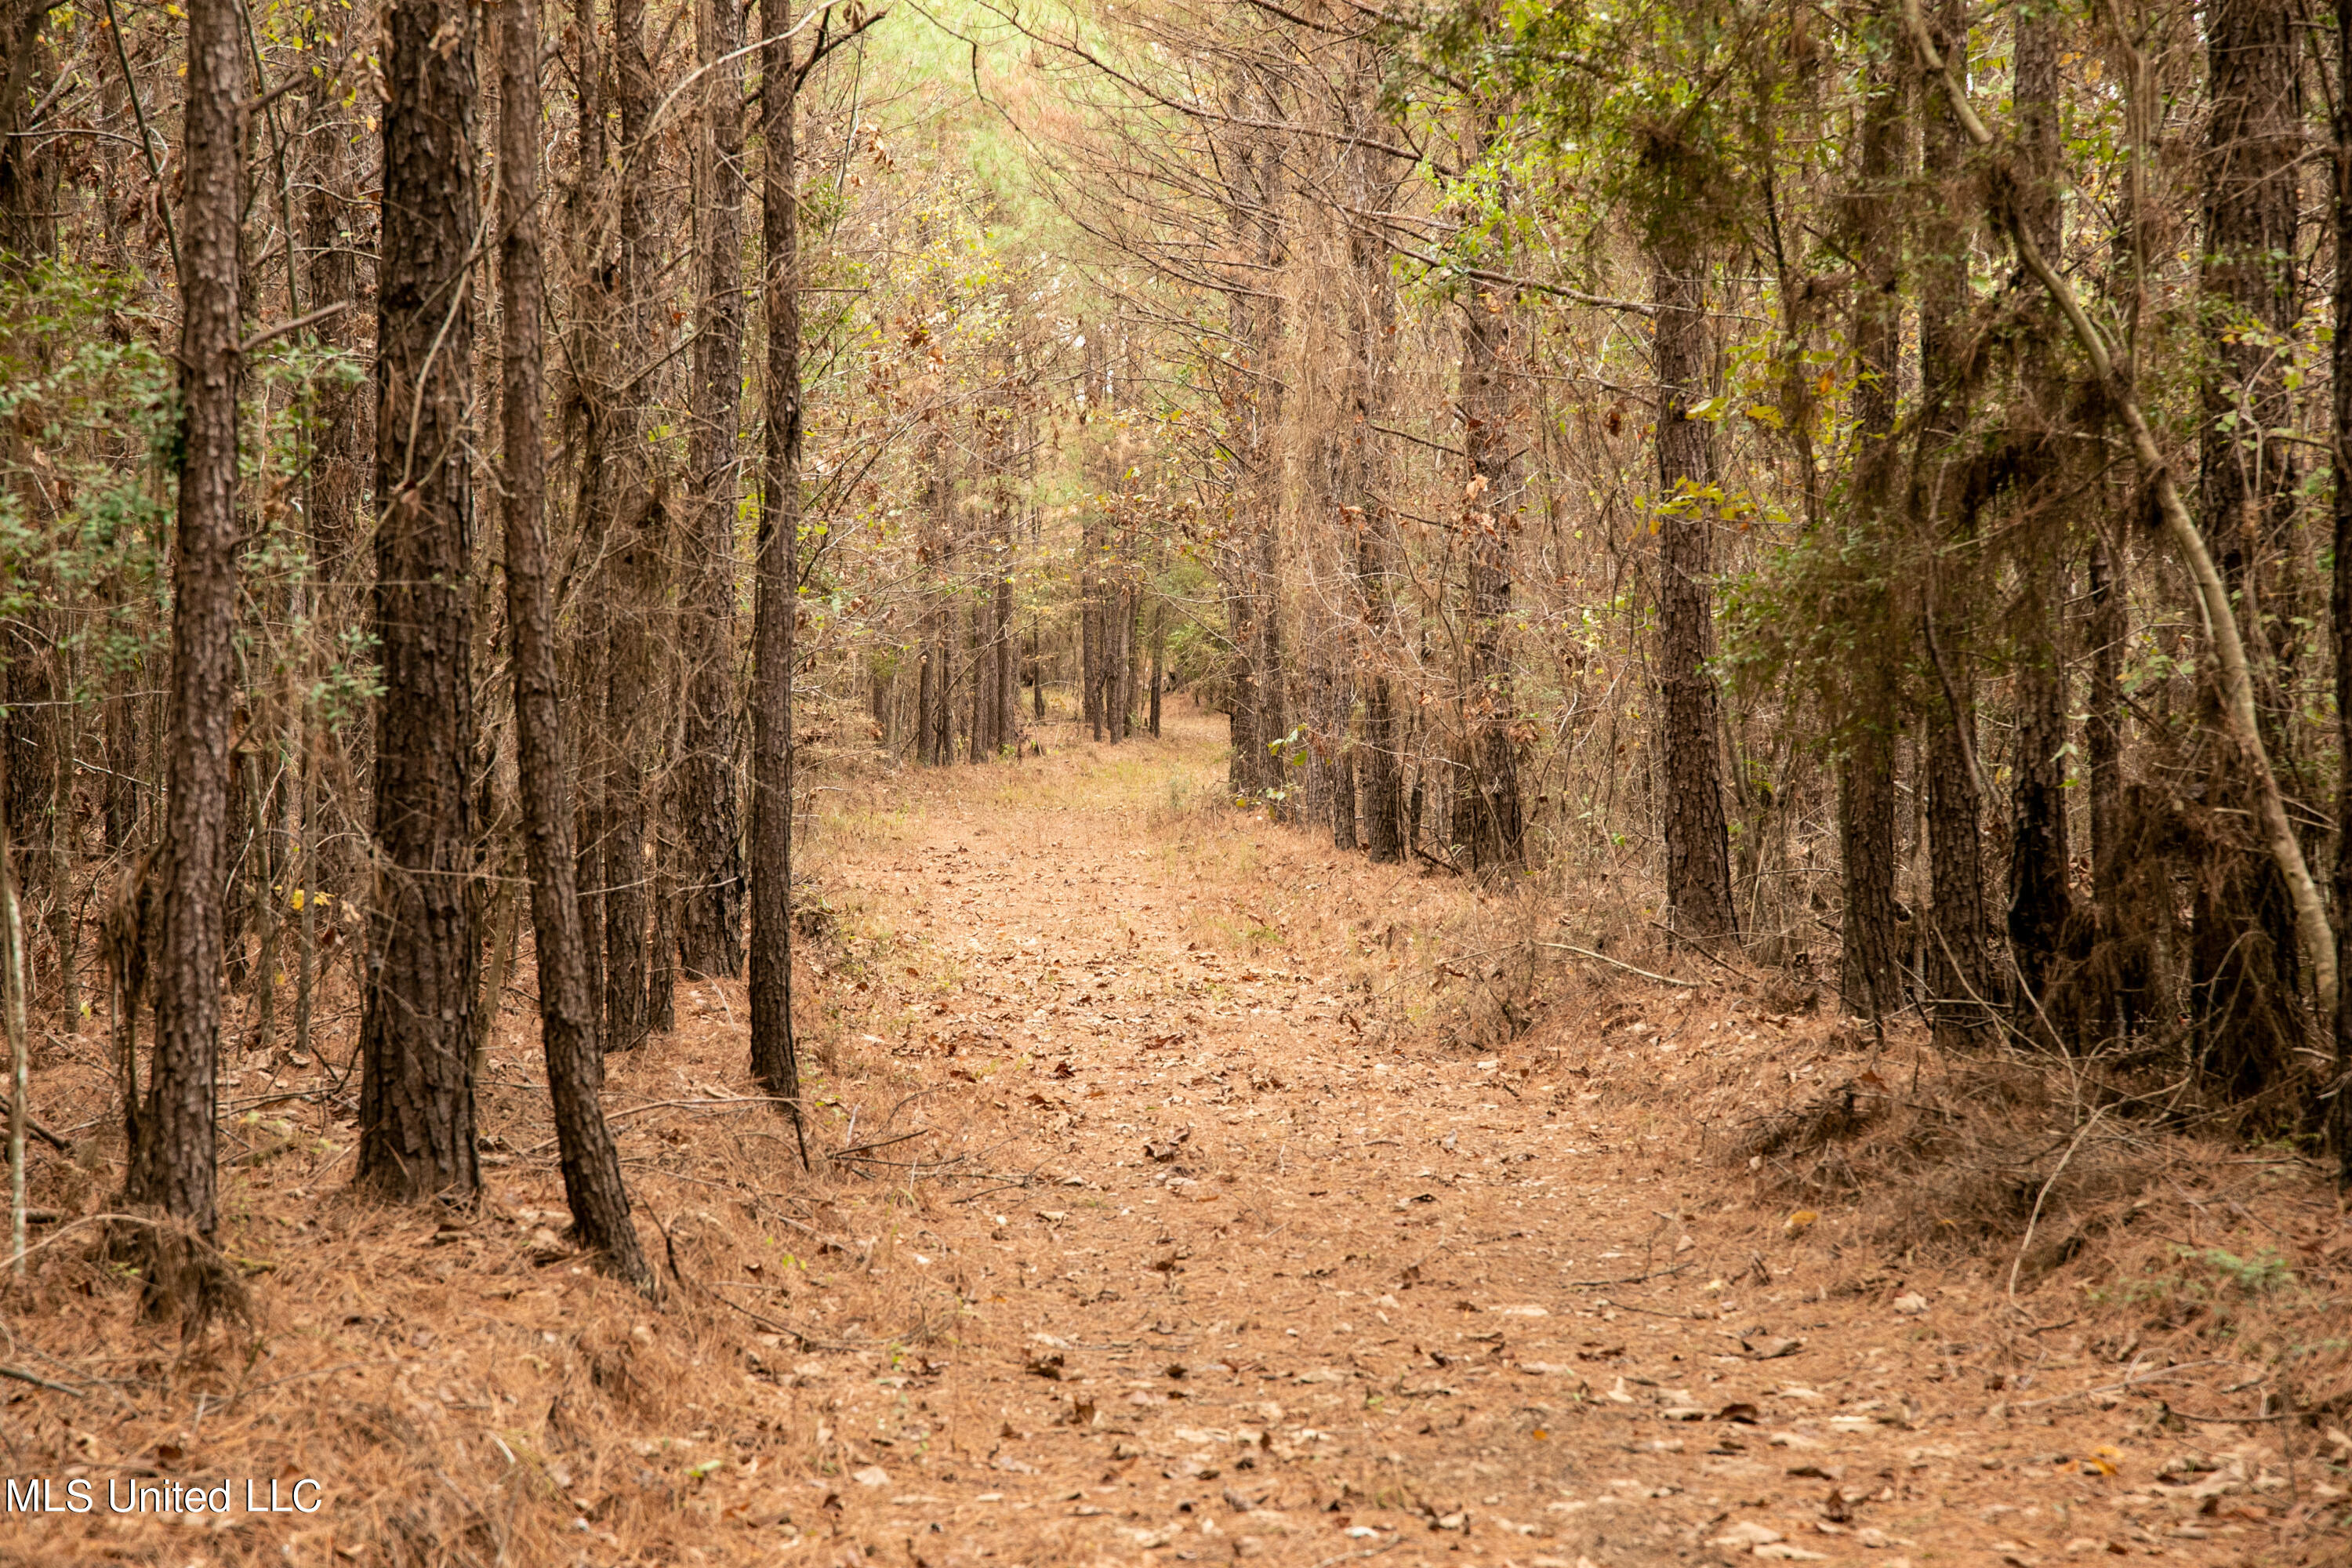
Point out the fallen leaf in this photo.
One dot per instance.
(1746, 1533)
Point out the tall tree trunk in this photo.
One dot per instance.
(590, 1162)
(1488, 821)
(2039, 899)
(28, 164)
(1364, 519)
(1158, 657)
(1957, 958)
(2340, 601)
(775, 1062)
(417, 1090)
(1871, 978)
(634, 575)
(1008, 704)
(1254, 199)
(171, 1159)
(1698, 841)
(931, 692)
(710, 912)
(634, 550)
(2246, 969)
(592, 332)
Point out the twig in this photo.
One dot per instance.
(1700, 949)
(671, 1104)
(1588, 953)
(21, 1375)
(853, 1149)
(1629, 1279)
(1646, 1311)
(270, 334)
(2156, 1375)
(2043, 1196)
(148, 1220)
(289, 1377)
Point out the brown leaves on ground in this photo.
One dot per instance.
(1232, 1237)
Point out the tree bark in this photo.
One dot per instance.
(634, 550)
(590, 1162)
(1363, 517)
(28, 164)
(2340, 603)
(775, 1063)
(1488, 817)
(416, 1091)
(2314, 933)
(1159, 659)
(1871, 975)
(1956, 955)
(2243, 956)
(710, 912)
(1698, 841)
(2040, 901)
(171, 1157)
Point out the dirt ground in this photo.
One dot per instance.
(1168, 1217)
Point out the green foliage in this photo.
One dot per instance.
(2257, 1274)
(87, 416)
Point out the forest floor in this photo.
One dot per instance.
(1167, 1215)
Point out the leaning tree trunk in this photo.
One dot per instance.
(417, 1090)
(590, 1161)
(171, 1160)
(775, 1061)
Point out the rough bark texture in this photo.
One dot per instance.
(1253, 395)
(2039, 900)
(28, 165)
(1698, 842)
(1956, 957)
(1870, 973)
(634, 549)
(1489, 825)
(591, 357)
(2245, 969)
(590, 1162)
(711, 910)
(2340, 604)
(775, 1061)
(1870, 970)
(1362, 513)
(171, 1161)
(416, 1091)
(2254, 140)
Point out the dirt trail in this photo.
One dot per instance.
(1292, 1288)
(1161, 1225)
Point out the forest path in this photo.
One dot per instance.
(1286, 1287)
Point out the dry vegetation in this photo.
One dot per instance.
(1187, 1189)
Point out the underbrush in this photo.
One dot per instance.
(2077, 1196)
